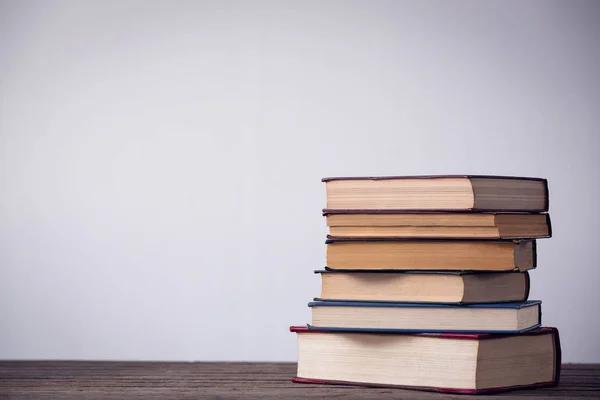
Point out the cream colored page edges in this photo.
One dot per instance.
(415, 231)
(422, 318)
(402, 287)
(388, 359)
(421, 255)
(436, 219)
(451, 193)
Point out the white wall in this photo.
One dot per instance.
(160, 162)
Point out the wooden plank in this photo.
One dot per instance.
(162, 380)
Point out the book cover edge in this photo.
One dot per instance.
(425, 388)
(450, 176)
(537, 330)
(497, 333)
(427, 240)
(508, 305)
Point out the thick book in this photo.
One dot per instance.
(431, 254)
(424, 286)
(426, 317)
(439, 225)
(437, 192)
(452, 363)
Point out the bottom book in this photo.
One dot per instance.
(453, 363)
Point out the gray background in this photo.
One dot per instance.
(160, 162)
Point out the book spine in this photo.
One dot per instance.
(534, 251)
(547, 194)
(558, 355)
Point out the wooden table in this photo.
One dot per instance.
(162, 380)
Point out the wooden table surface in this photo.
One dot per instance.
(178, 380)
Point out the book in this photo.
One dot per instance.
(453, 363)
(438, 225)
(424, 286)
(438, 192)
(430, 254)
(426, 317)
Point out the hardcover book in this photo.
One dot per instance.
(453, 363)
(381, 224)
(425, 317)
(443, 192)
(424, 286)
(431, 254)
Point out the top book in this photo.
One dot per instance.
(388, 194)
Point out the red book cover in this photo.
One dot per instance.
(465, 336)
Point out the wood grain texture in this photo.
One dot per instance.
(179, 380)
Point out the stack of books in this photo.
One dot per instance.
(426, 286)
